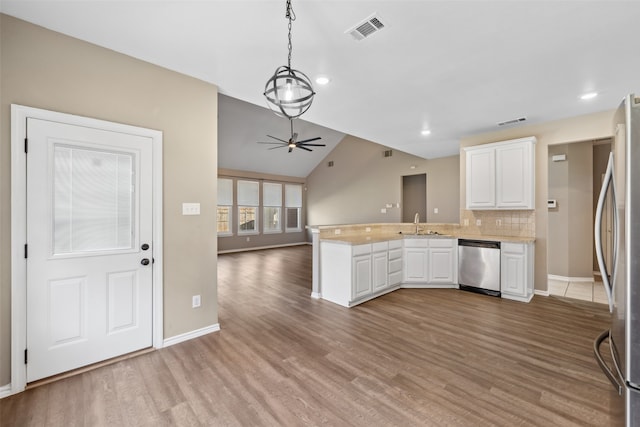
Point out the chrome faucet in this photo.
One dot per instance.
(416, 220)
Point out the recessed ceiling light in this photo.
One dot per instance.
(589, 95)
(426, 132)
(322, 80)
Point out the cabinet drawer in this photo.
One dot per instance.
(395, 265)
(395, 253)
(442, 243)
(395, 278)
(360, 250)
(395, 244)
(512, 248)
(379, 246)
(416, 243)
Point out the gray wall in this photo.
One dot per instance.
(571, 223)
(363, 181)
(44, 69)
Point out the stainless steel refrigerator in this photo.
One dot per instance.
(621, 274)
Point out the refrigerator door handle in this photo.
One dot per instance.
(608, 177)
(605, 368)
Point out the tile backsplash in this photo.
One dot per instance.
(498, 223)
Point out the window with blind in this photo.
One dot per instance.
(293, 207)
(225, 207)
(272, 207)
(248, 202)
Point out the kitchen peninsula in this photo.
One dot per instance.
(355, 263)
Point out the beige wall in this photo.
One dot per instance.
(235, 242)
(582, 128)
(44, 69)
(570, 252)
(362, 181)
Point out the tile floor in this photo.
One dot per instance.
(586, 291)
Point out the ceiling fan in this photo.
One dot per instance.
(293, 141)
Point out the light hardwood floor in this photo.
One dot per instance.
(411, 358)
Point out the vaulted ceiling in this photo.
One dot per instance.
(454, 67)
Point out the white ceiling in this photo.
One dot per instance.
(455, 67)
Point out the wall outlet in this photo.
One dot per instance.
(397, 205)
(435, 210)
(191, 209)
(195, 301)
(498, 222)
(367, 229)
(478, 222)
(383, 210)
(389, 205)
(337, 231)
(466, 222)
(248, 239)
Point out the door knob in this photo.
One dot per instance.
(145, 261)
(144, 247)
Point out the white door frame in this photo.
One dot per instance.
(19, 115)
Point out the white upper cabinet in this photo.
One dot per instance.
(501, 175)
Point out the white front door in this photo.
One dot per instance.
(89, 246)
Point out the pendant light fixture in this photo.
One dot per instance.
(289, 92)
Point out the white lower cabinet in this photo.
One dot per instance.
(430, 262)
(351, 274)
(516, 271)
(395, 263)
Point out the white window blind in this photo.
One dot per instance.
(225, 192)
(248, 193)
(271, 194)
(293, 195)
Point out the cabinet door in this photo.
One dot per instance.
(442, 266)
(481, 178)
(512, 277)
(380, 270)
(415, 264)
(514, 180)
(361, 285)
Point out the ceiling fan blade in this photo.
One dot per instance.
(304, 148)
(311, 139)
(274, 143)
(279, 146)
(312, 145)
(281, 140)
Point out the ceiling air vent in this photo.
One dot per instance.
(388, 153)
(512, 122)
(366, 28)
(330, 163)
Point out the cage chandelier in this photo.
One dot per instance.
(289, 92)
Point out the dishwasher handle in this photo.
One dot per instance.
(479, 243)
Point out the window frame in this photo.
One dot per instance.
(225, 205)
(296, 203)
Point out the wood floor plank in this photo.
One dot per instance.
(414, 357)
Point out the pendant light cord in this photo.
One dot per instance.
(291, 16)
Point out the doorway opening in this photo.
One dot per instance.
(414, 197)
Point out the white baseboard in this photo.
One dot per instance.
(316, 295)
(191, 335)
(542, 293)
(5, 391)
(569, 279)
(259, 248)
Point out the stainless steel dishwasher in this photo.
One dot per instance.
(479, 266)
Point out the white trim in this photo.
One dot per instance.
(516, 297)
(541, 293)
(258, 248)
(5, 390)
(316, 295)
(569, 279)
(19, 115)
(191, 335)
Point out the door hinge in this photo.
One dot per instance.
(26, 145)
(26, 250)
(25, 356)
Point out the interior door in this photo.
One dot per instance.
(89, 254)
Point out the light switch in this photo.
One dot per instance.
(383, 210)
(435, 210)
(191, 209)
